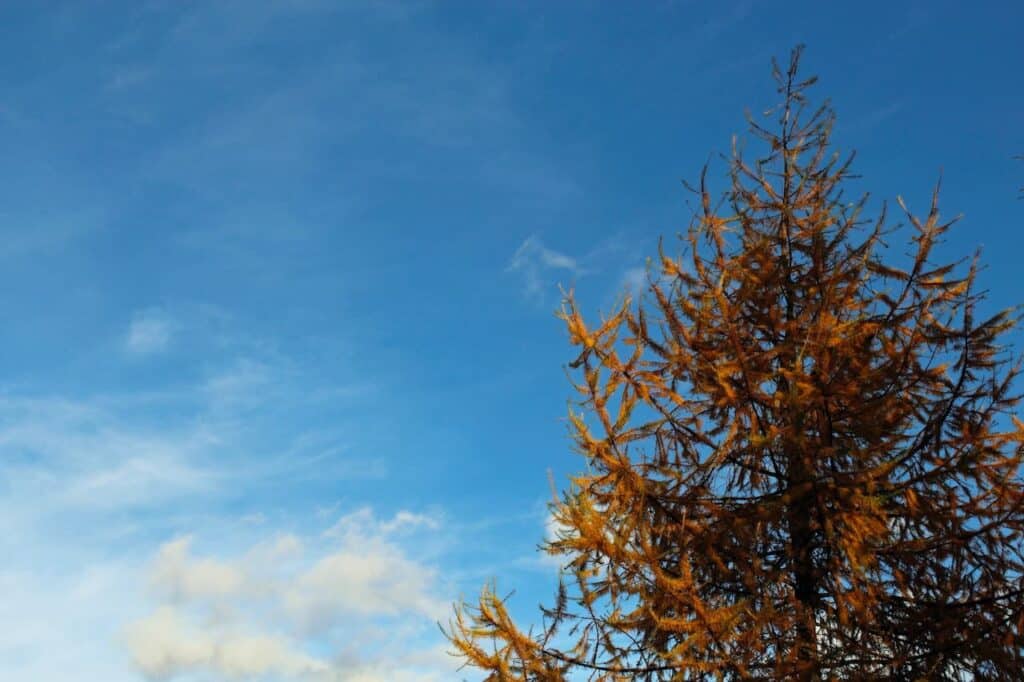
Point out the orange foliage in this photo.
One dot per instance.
(819, 488)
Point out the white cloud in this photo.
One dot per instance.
(243, 385)
(165, 644)
(404, 519)
(365, 581)
(431, 664)
(283, 547)
(181, 577)
(142, 478)
(149, 332)
(84, 476)
(537, 263)
(332, 608)
(162, 644)
(356, 525)
(82, 482)
(367, 575)
(77, 457)
(541, 267)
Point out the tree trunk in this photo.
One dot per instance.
(801, 533)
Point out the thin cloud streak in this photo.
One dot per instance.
(150, 332)
(535, 262)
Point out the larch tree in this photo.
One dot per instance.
(802, 462)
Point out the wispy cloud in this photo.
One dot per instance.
(90, 485)
(243, 383)
(542, 268)
(76, 456)
(149, 332)
(128, 77)
(79, 483)
(635, 280)
(538, 265)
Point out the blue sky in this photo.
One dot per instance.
(281, 378)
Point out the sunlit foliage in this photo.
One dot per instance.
(802, 461)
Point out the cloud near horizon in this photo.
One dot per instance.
(336, 607)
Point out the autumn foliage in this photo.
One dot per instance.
(802, 462)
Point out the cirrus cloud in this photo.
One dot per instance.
(149, 332)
